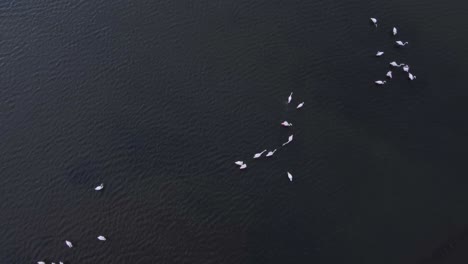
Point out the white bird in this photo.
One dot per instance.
(411, 76)
(52, 263)
(380, 82)
(389, 74)
(379, 53)
(41, 262)
(400, 43)
(270, 153)
(406, 68)
(257, 155)
(100, 187)
(240, 163)
(374, 20)
(60, 262)
(394, 31)
(290, 176)
(289, 140)
(300, 105)
(290, 98)
(102, 238)
(243, 166)
(394, 64)
(69, 244)
(286, 124)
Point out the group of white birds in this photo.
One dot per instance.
(69, 243)
(393, 63)
(242, 165)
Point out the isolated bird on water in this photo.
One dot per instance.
(289, 140)
(100, 187)
(290, 176)
(257, 155)
(270, 153)
(379, 82)
(102, 238)
(286, 124)
(300, 105)
(401, 43)
(290, 98)
(389, 74)
(374, 21)
(68, 243)
(379, 53)
(394, 31)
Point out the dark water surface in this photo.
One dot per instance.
(157, 99)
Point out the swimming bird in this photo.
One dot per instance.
(411, 76)
(400, 43)
(289, 140)
(60, 262)
(394, 64)
(406, 68)
(102, 238)
(52, 263)
(300, 105)
(379, 53)
(69, 244)
(389, 74)
(290, 176)
(270, 153)
(394, 31)
(290, 98)
(379, 82)
(374, 20)
(41, 262)
(243, 166)
(239, 163)
(286, 124)
(257, 155)
(100, 187)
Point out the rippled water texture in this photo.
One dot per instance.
(157, 99)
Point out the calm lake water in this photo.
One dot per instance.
(157, 99)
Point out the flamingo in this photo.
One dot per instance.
(290, 176)
(257, 155)
(394, 64)
(389, 74)
(400, 43)
(269, 154)
(68, 243)
(286, 124)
